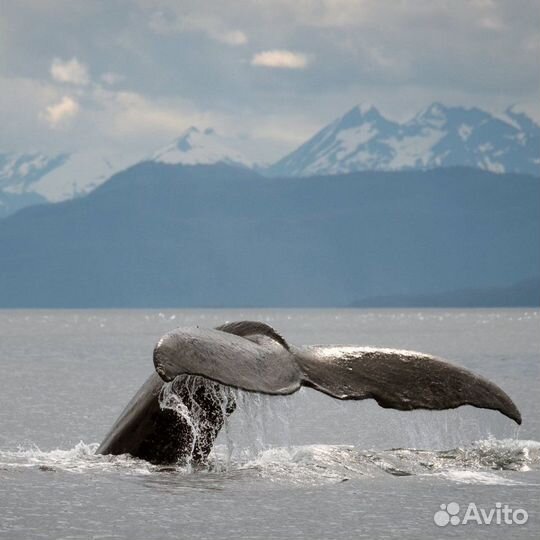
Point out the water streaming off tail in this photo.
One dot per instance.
(258, 437)
(259, 421)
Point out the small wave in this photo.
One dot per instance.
(312, 464)
(505, 454)
(476, 477)
(483, 462)
(79, 459)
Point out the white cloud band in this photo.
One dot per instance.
(280, 59)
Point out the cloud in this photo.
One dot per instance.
(127, 115)
(280, 59)
(70, 71)
(191, 62)
(62, 111)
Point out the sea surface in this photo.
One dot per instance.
(302, 466)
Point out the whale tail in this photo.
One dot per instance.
(252, 356)
(256, 358)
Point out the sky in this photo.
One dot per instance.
(131, 75)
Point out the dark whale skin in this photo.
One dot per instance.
(161, 436)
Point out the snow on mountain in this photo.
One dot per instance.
(18, 172)
(362, 139)
(33, 178)
(18, 176)
(439, 136)
(196, 147)
(59, 177)
(81, 173)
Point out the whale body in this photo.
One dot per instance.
(196, 368)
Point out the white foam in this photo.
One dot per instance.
(79, 459)
(311, 464)
(477, 477)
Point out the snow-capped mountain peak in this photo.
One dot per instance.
(359, 114)
(36, 177)
(361, 139)
(438, 136)
(195, 147)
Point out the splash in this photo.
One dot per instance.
(79, 459)
(259, 423)
(487, 462)
(255, 442)
(257, 438)
(484, 462)
(243, 435)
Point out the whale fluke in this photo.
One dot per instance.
(396, 379)
(402, 380)
(195, 363)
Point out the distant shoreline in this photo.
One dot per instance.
(525, 293)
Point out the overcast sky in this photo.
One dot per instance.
(131, 75)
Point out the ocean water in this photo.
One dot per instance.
(302, 466)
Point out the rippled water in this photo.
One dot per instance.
(302, 466)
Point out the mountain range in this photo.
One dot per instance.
(439, 136)
(441, 210)
(173, 235)
(362, 139)
(524, 293)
